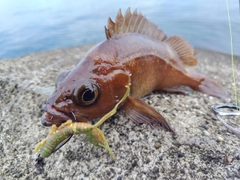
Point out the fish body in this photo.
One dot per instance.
(135, 53)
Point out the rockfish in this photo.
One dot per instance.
(135, 53)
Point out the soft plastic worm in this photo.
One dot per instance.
(61, 133)
(95, 136)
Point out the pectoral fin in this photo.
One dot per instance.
(141, 112)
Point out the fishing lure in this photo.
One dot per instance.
(57, 135)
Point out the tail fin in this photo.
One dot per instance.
(208, 86)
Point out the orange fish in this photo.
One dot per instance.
(135, 53)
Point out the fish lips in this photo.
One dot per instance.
(53, 116)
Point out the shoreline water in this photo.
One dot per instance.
(92, 44)
(204, 149)
(21, 32)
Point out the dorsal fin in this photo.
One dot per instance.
(133, 22)
(184, 50)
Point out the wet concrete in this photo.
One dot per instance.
(204, 148)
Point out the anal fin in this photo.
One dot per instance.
(179, 89)
(140, 112)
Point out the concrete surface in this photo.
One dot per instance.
(204, 148)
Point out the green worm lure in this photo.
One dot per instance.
(57, 135)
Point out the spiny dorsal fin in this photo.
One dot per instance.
(133, 22)
(183, 49)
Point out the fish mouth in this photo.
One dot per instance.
(53, 116)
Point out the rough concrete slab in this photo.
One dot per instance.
(204, 148)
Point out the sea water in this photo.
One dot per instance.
(28, 26)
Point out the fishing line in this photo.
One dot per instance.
(232, 58)
(217, 109)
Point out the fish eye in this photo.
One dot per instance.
(86, 95)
